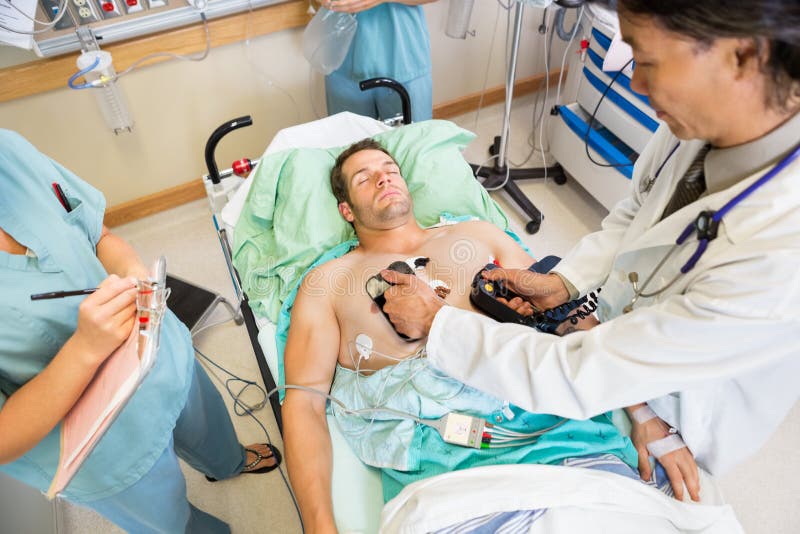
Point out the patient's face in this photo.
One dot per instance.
(379, 197)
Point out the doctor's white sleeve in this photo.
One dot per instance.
(587, 265)
(718, 329)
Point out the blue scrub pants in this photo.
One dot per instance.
(203, 437)
(343, 94)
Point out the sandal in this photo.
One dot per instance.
(249, 468)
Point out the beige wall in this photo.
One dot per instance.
(176, 104)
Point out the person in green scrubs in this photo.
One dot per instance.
(391, 41)
(51, 349)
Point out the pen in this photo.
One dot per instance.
(62, 294)
(62, 198)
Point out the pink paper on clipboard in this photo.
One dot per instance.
(113, 385)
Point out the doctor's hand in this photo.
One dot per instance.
(543, 291)
(679, 464)
(105, 318)
(410, 304)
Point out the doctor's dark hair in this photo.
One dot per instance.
(772, 23)
(339, 182)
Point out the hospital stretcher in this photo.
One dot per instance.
(578, 500)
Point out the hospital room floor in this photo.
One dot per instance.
(763, 492)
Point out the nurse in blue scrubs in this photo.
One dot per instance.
(50, 350)
(391, 40)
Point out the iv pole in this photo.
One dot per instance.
(500, 175)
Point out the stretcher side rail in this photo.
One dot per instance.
(217, 198)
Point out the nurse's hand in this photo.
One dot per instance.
(679, 465)
(543, 291)
(105, 318)
(411, 304)
(351, 6)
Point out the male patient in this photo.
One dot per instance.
(339, 341)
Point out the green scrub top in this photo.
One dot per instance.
(62, 256)
(391, 40)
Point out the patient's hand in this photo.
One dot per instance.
(679, 465)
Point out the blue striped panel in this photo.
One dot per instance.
(606, 150)
(622, 79)
(601, 38)
(640, 116)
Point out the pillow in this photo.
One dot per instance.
(291, 217)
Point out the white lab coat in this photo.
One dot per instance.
(717, 354)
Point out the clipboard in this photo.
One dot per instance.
(115, 382)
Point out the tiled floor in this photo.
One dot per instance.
(763, 492)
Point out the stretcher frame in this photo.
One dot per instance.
(217, 192)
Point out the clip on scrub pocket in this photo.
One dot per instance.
(376, 286)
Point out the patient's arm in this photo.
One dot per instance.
(679, 464)
(310, 360)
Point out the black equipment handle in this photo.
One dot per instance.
(372, 83)
(214, 138)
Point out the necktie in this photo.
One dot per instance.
(690, 187)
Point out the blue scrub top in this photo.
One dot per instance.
(391, 40)
(31, 333)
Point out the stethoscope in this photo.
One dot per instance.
(705, 224)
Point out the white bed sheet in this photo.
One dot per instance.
(577, 500)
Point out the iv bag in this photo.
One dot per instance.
(327, 38)
(458, 15)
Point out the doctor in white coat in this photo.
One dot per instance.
(715, 352)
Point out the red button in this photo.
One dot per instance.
(132, 2)
(108, 6)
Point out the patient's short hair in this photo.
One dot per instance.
(339, 183)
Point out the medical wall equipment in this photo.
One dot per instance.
(97, 68)
(705, 226)
(118, 20)
(19, 23)
(616, 132)
(327, 39)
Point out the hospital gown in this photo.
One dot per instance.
(407, 451)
